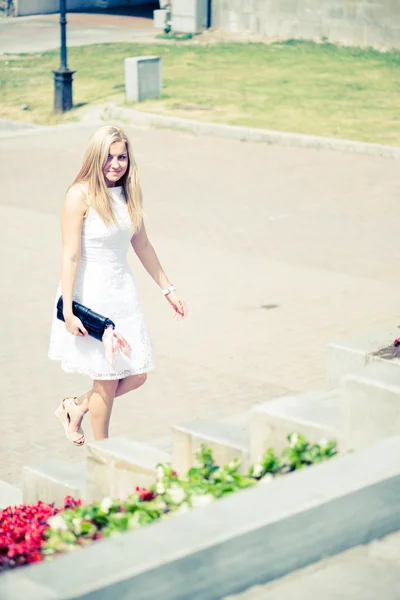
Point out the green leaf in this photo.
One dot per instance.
(86, 527)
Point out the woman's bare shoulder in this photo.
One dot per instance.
(76, 199)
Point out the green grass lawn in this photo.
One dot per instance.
(303, 87)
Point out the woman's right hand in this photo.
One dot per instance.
(75, 326)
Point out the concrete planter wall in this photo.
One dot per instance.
(251, 537)
(351, 22)
(37, 7)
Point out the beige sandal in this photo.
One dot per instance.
(63, 412)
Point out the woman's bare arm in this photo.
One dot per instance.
(72, 215)
(149, 259)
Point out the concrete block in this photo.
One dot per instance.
(316, 415)
(353, 354)
(370, 405)
(10, 495)
(248, 538)
(189, 16)
(52, 480)
(161, 18)
(225, 440)
(240, 421)
(114, 467)
(142, 78)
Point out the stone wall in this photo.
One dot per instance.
(37, 7)
(351, 22)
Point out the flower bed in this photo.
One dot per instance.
(32, 533)
(22, 532)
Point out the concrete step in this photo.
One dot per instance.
(370, 405)
(354, 354)
(52, 480)
(10, 495)
(242, 421)
(116, 466)
(226, 440)
(315, 415)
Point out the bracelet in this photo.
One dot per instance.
(168, 290)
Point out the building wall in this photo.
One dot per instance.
(351, 22)
(37, 7)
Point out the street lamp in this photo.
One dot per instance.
(63, 75)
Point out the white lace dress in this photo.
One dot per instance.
(104, 283)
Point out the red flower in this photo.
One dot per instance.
(70, 502)
(22, 533)
(145, 495)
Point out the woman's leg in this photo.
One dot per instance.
(130, 383)
(99, 400)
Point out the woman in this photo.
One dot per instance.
(101, 215)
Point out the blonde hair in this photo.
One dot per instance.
(91, 173)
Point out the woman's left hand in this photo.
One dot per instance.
(178, 305)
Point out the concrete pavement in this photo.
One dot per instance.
(276, 250)
(42, 32)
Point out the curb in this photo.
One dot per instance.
(130, 116)
(246, 134)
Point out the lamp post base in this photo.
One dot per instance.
(63, 90)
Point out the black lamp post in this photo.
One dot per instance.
(63, 75)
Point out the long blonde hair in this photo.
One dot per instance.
(91, 173)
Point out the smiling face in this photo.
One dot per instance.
(117, 163)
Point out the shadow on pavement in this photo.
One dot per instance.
(145, 11)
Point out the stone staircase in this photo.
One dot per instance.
(359, 407)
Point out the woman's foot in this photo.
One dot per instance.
(71, 417)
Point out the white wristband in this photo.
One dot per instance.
(168, 290)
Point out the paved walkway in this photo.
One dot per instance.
(42, 32)
(277, 251)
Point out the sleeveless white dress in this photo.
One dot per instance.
(104, 283)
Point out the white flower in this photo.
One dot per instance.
(160, 488)
(57, 523)
(323, 443)
(258, 470)
(161, 505)
(77, 523)
(176, 493)
(160, 473)
(106, 504)
(198, 501)
(184, 507)
(267, 478)
(294, 438)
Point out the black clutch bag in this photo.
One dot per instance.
(94, 323)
